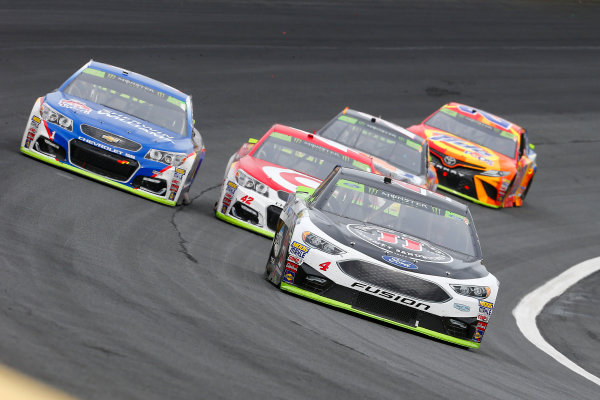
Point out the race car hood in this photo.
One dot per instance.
(466, 151)
(120, 123)
(408, 253)
(275, 176)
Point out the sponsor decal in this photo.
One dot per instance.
(75, 105)
(290, 179)
(231, 187)
(295, 259)
(173, 189)
(35, 123)
(502, 190)
(481, 325)
(363, 287)
(461, 143)
(179, 173)
(399, 262)
(442, 167)
(106, 147)
(485, 308)
(299, 249)
(462, 218)
(480, 157)
(490, 117)
(291, 266)
(226, 201)
(478, 335)
(486, 304)
(462, 307)
(289, 275)
(30, 136)
(483, 318)
(224, 209)
(137, 124)
(399, 244)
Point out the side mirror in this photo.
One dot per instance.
(252, 141)
(531, 146)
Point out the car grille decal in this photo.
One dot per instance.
(394, 281)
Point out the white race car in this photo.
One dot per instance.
(262, 174)
(385, 249)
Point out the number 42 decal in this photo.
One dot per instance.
(247, 199)
(393, 239)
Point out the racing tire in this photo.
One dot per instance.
(277, 255)
(527, 188)
(184, 198)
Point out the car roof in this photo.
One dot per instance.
(320, 141)
(410, 190)
(139, 78)
(378, 120)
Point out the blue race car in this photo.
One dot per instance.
(120, 128)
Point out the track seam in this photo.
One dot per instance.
(182, 242)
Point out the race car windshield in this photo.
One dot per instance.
(130, 97)
(396, 211)
(306, 157)
(378, 141)
(474, 131)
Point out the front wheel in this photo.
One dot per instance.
(277, 256)
(527, 189)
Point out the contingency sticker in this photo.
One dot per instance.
(299, 249)
(231, 187)
(289, 276)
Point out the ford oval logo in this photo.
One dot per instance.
(397, 261)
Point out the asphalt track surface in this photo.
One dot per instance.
(107, 295)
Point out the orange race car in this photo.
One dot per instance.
(478, 155)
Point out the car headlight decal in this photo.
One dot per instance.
(165, 157)
(491, 172)
(479, 292)
(249, 182)
(321, 244)
(51, 115)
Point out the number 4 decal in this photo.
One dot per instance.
(393, 239)
(247, 199)
(324, 266)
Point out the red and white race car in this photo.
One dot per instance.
(262, 173)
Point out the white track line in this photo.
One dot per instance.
(531, 305)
